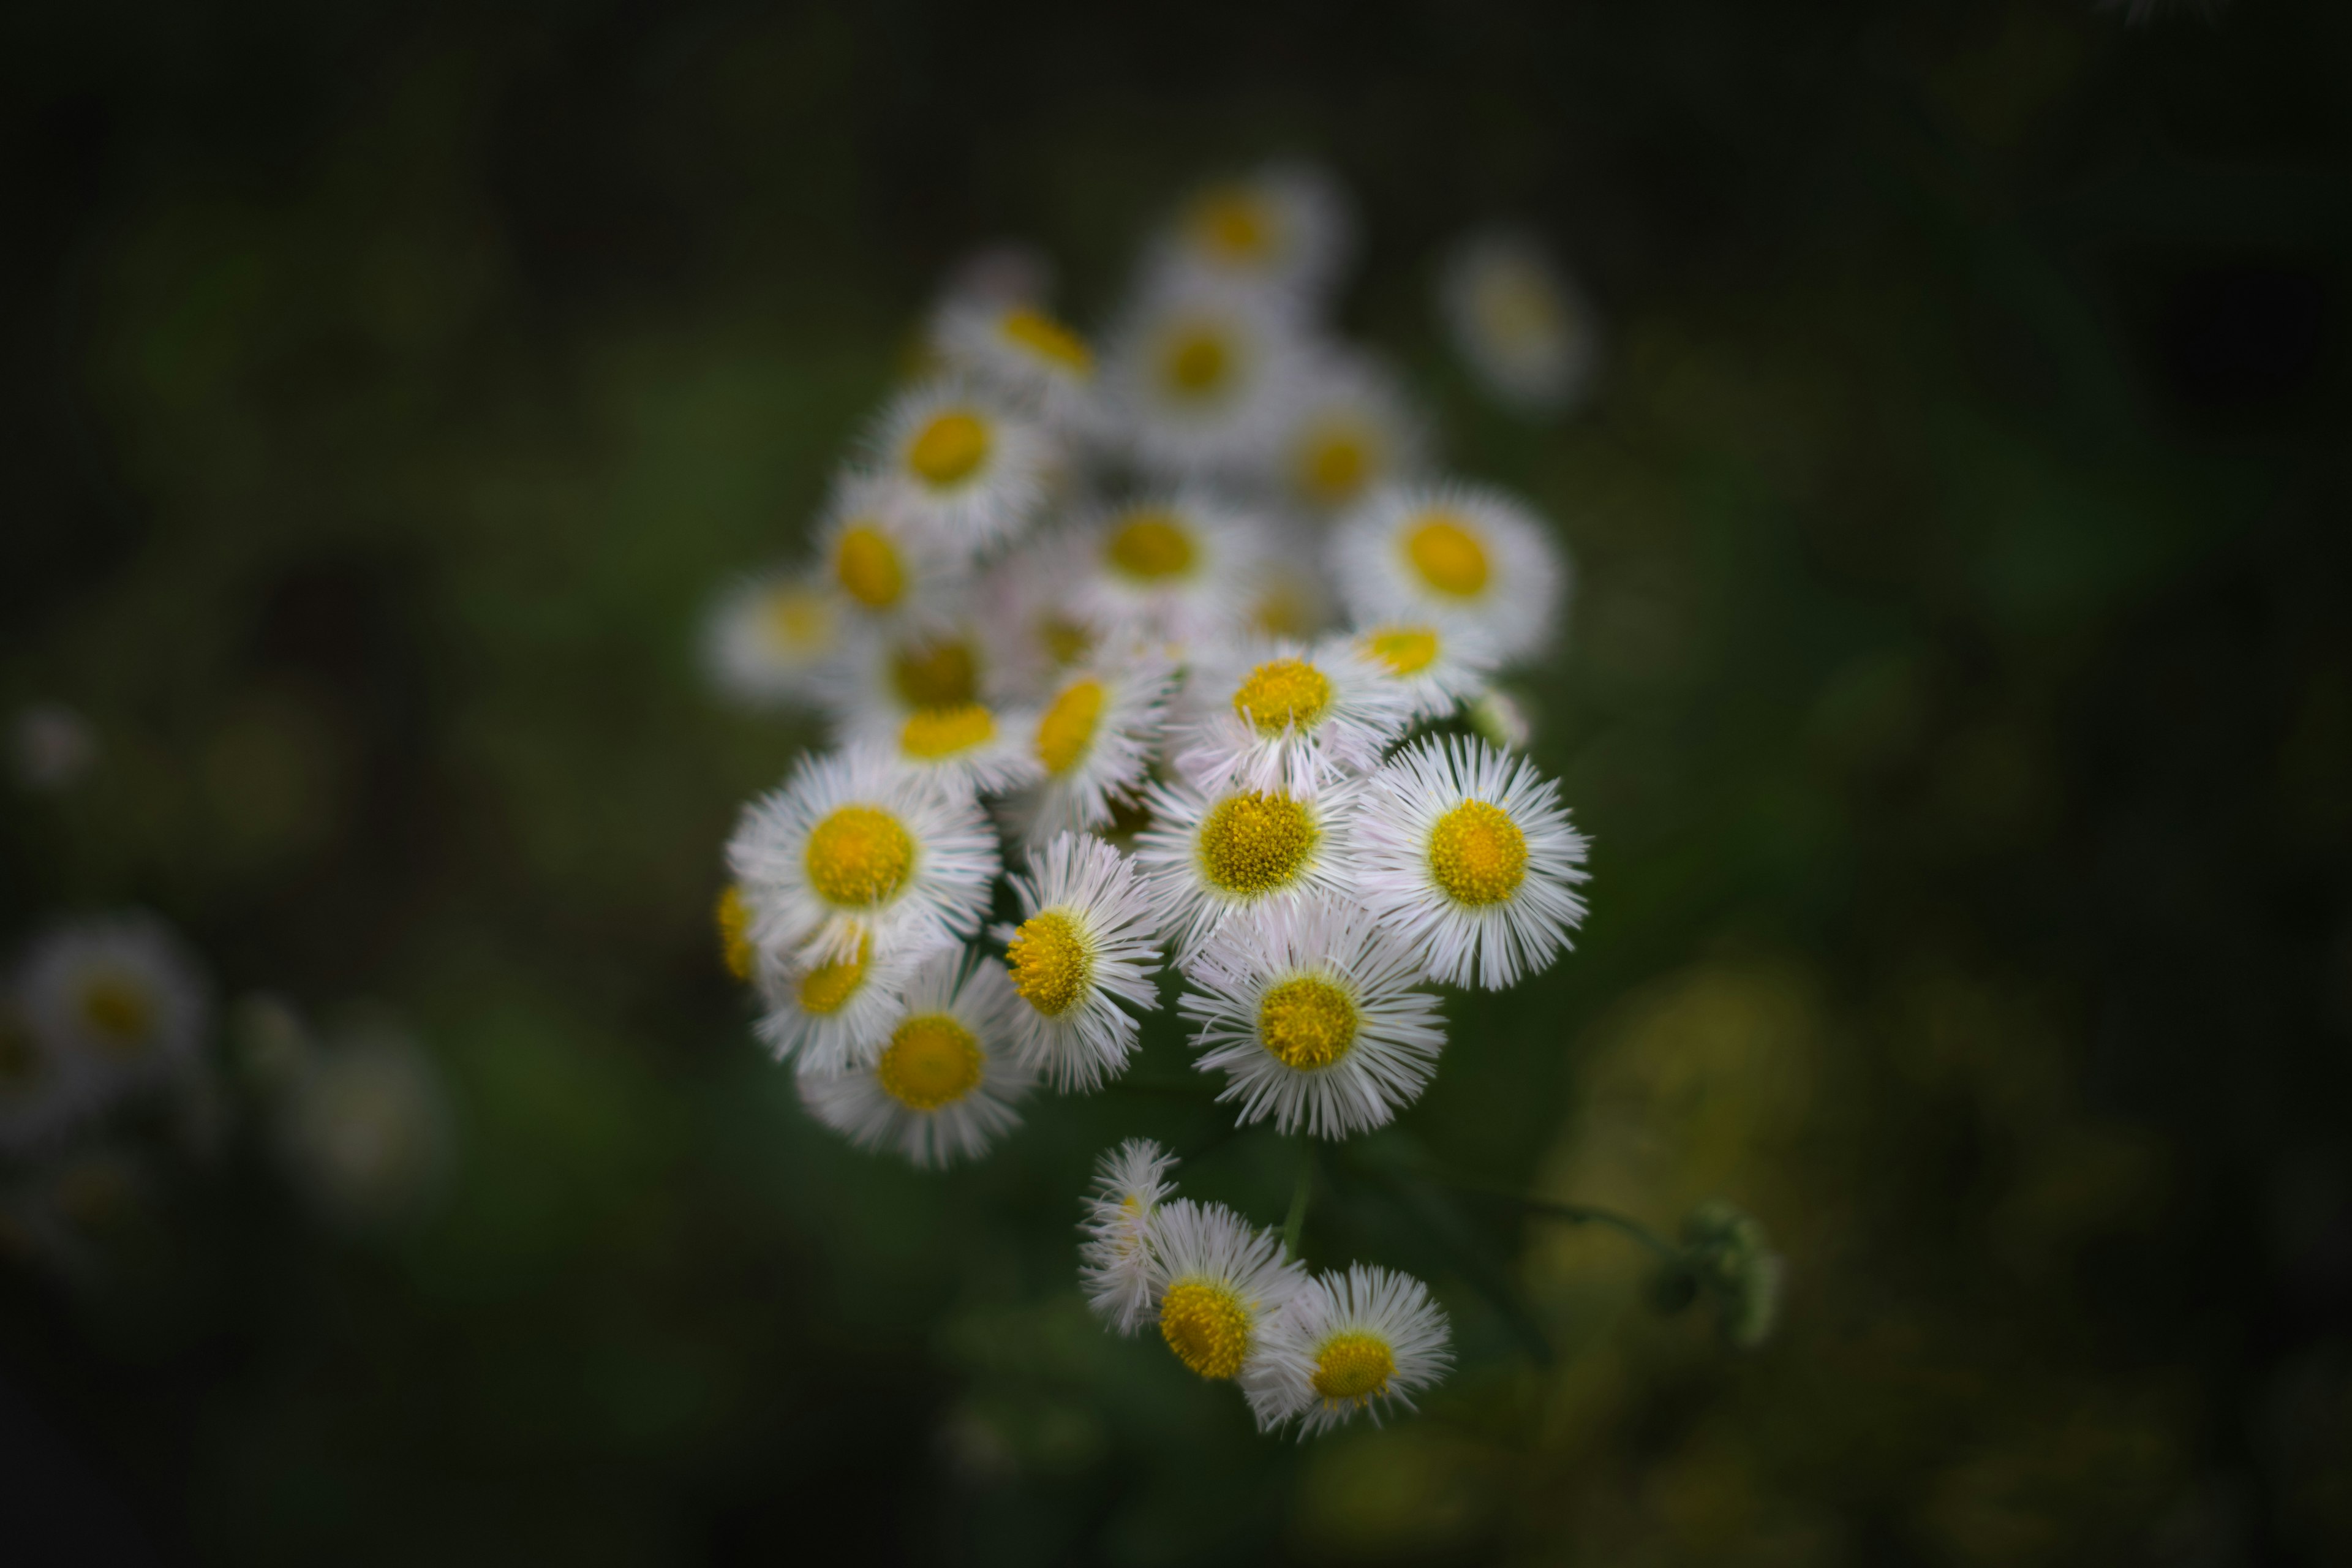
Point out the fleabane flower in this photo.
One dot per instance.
(1197, 377)
(1434, 668)
(1015, 348)
(1281, 229)
(1468, 855)
(1173, 568)
(1084, 946)
(1114, 1259)
(1347, 431)
(889, 576)
(1207, 855)
(1214, 1283)
(1363, 1340)
(1459, 555)
(120, 997)
(765, 640)
(942, 1086)
(881, 681)
(1315, 1014)
(971, 748)
(827, 1013)
(960, 467)
(1283, 716)
(1095, 738)
(1522, 324)
(849, 850)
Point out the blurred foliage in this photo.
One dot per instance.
(1959, 698)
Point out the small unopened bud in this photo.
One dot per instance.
(1504, 719)
(1732, 1260)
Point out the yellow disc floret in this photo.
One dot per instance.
(1333, 464)
(1448, 557)
(931, 734)
(827, 988)
(1255, 843)
(1067, 730)
(1232, 224)
(1052, 961)
(796, 621)
(1282, 692)
(867, 566)
(1404, 650)
(1477, 853)
(1196, 362)
(1048, 339)
(1307, 1022)
(734, 915)
(118, 1011)
(1151, 544)
(1065, 639)
(1207, 1327)
(931, 1061)
(1354, 1367)
(859, 856)
(947, 451)
(935, 674)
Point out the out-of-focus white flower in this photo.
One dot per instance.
(961, 467)
(888, 576)
(1433, 669)
(1348, 431)
(1283, 229)
(826, 1015)
(1170, 570)
(1460, 556)
(120, 998)
(1095, 739)
(1524, 327)
(1198, 376)
(765, 640)
(1035, 361)
(365, 1128)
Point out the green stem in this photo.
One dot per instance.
(1577, 1214)
(1297, 1222)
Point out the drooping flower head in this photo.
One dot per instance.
(1115, 1257)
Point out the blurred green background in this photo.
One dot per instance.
(1958, 696)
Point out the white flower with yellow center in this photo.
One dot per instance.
(827, 1013)
(1173, 568)
(1114, 1259)
(46, 1089)
(1461, 556)
(120, 997)
(1198, 376)
(1522, 325)
(365, 1127)
(886, 575)
(1095, 738)
(765, 641)
(1084, 946)
(1207, 855)
(879, 682)
(1347, 432)
(971, 748)
(1214, 1284)
(961, 467)
(1314, 1014)
(1435, 668)
(1284, 229)
(1036, 361)
(851, 851)
(1363, 1341)
(942, 1086)
(1468, 855)
(1283, 716)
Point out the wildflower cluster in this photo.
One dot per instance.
(1187, 634)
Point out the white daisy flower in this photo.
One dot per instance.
(824, 1015)
(1175, 568)
(943, 1086)
(365, 1128)
(1215, 1282)
(1283, 716)
(1282, 228)
(850, 850)
(1085, 945)
(1315, 1015)
(1014, 347)
(1114, 1259)
(1435, 668)
(765, 640)
(1361, 1341)
(1095, 739)
(971, 748)
(121, 997)
(1462, 556)
(962, 469)
(46, 1089)
(1198, 376)
(1348, 431)
(1468, 855)
(1207, 855)
(880, 682)
(888, 576)
(1520, 323)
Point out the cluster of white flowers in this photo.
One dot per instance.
(1193, 637)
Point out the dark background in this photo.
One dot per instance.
(1960, 696)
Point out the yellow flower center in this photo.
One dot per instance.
(931, 734)
(859, 857)
(1066, 640)
(735, 933)
(796, 621)
(1517, 304)
(1282, 692)
(1196, 362)
(1283, 610)
(1354, 1366)
(1068, 727)
(119, 1012)
(1477, 853)
(1232, 224)
(935, 675)
(947, 451)
(1255, 843)
(931, 1061)
(1052, 961)
(868, 565)
(1307, 1023)
(1151, 544)
(1207, 1327)
(1448, 556)
(827, 988)
(1404, 650)
(1333, 464)
(1048, 339)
